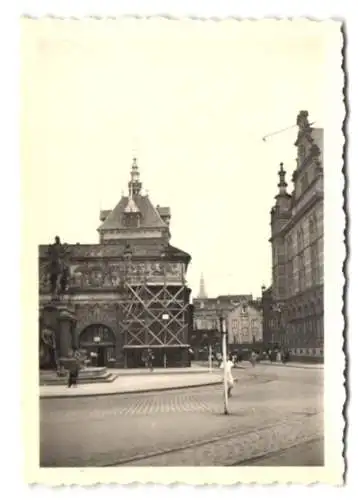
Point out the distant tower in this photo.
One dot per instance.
(134, 185)
(202, 291)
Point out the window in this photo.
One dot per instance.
(131, 220)
(198, 323)
(289, 278)
(245, 333)
(315, 271)
(304, 182)
(313, 227)
(301, 272)
(300, 240)
(289, 247)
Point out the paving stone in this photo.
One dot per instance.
(267, 409)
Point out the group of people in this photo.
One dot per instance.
(283, 355)
(280, 355)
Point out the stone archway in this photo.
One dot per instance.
(99, 341)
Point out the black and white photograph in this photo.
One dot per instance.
(183, 192)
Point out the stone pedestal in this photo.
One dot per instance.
(66, 322)
(60, 317)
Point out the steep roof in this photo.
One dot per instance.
(235, 298)
(150, 217)
(116, 250)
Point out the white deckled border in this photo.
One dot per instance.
(334, 257)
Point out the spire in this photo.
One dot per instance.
(202, 291)
(282, 184)
(134, 185)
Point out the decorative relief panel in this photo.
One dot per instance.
(112, 275)
(96, 313)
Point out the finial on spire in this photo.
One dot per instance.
(202, 291)
(282, 175)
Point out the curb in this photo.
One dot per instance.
(140, 391)
(304, 367)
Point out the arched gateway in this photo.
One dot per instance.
(100, 342)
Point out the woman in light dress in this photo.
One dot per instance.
(253, 358)
(230, 378)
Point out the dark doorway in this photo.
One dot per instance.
(99, 342)
(101, 357)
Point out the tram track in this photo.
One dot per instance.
(170, 452)
(273, 454)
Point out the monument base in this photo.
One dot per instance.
(85, 376)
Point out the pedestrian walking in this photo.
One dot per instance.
(73, 375)
(253, 358)
(230, 378)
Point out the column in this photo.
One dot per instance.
(65, 323)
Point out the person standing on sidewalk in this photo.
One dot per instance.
(150, 357)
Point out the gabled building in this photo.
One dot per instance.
(129, 292)
(207, 312)
(297, 240)
(244, 324)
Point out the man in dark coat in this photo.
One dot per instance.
(73, 375)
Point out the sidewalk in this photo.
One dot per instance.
(125, 383)
(194, 369)
(307, 366)
(247, 364)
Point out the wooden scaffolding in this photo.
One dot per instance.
(155, 315)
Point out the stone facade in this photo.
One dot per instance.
(245, 324)
(297, 239)
(207, 312)
(125, 306)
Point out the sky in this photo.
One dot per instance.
(192, 100)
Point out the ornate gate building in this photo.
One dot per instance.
(129, 292)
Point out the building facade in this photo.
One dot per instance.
(129, 292)
(207, 312)
(297, 239)
(245, 324)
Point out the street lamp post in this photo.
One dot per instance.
(210, 355)
(224, 351)
(165, 317)
(278, 322)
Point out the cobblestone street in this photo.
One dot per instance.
(272, 409)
